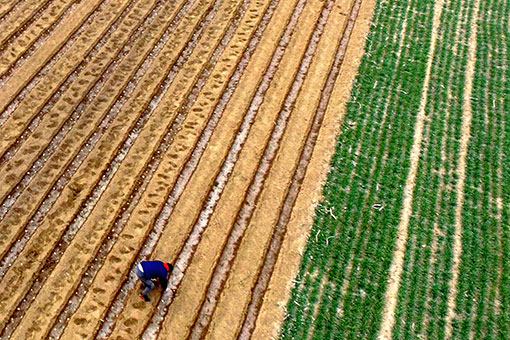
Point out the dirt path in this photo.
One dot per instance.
(391, 295)
(147, 129)
(467, 116)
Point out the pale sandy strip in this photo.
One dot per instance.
(443, 186)
(272, 311)
(348, 269)
(461, 169)
(390, 298)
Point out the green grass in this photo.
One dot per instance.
(423, 294)
(484, 268)
(340, 286)
(370, 167)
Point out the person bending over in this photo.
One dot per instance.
(152, 272)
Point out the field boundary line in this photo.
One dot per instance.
(396, 268)
(467, 116)
(280, 230)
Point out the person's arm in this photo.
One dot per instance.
(164, 282)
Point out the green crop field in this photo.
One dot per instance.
(455, 273)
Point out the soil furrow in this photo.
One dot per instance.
(98, 261)
(44, 71)
(181, 232)
(74, 193)
(19, 20)
(105, 108)
(137, 192)
(224, 266)
(91, 202)
(59, 50)
(36, 165)
(194, 249)
(37, 149)
(49, 82)
(8, 7)
(274, 306)
(280, 229)
(99, 220)
(35, 201)
(126, 328)
(20, 44)
(231, 309)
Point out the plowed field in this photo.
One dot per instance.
(197, 132)
(411, 239)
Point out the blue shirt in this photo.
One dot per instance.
(155, 269)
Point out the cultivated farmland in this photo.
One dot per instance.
(411, 239)
(223, 136)
(191, 131)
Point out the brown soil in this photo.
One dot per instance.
(274, 303)
(196, 131)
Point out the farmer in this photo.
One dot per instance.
(151, 272)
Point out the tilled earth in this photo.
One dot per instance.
(197, 132)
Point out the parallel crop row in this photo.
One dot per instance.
(341, 283)
(177, 130)
(338, 289)
(14, 17)
(33, 33)
(482, 302)
(220, 176)
(83, 200)
(423, 293)
(70, 123)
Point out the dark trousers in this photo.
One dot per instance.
(149, 285)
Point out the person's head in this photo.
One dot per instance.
(168, 266)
